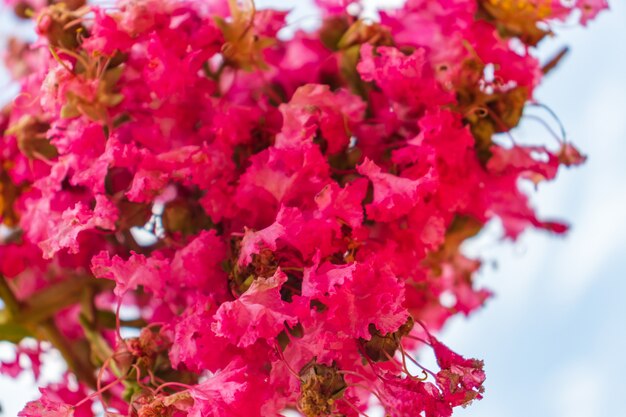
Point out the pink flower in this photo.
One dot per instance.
(590, 9)
(259, 313)
(394, 196)
(306, 197)
(49, 405)
(152, 273)
(314, 107)
(77, 219)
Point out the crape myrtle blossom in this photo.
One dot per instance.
(307, 199)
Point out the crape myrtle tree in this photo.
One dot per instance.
(304, 198)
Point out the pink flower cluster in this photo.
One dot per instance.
(306, 198)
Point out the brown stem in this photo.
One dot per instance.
(79, 365)
(11, 302)
(46, 303)
(37, 315)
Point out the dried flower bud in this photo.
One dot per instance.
(382, 347)
(320, 387)
(31, 138)
(61, 25)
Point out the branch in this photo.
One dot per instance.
(79, 365)
(46, 303)
(12, 304)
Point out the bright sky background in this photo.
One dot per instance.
(554, 336)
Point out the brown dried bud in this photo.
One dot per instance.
(60, 25)
(31, 138)
(320, 387)
(333, 30)
(9, 193)
(186, 216)
(382, 347)
(570, 156)
(72, 4)
(366, 32)
(240, 278)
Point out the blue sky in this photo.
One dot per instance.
(554, 336)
